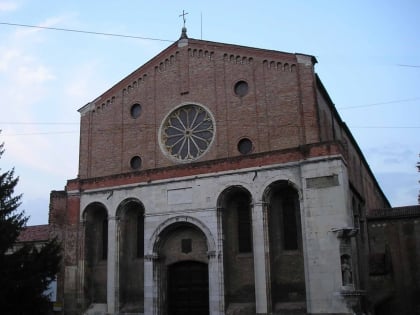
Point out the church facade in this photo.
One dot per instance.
(215, 179)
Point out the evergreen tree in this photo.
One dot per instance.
(418, 168)
(26, 272)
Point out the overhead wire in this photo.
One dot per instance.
(381, 103)
(167, 40)
(410, 66)
(86, 32)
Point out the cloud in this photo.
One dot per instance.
(6, 58)
(392, 157)
(28, 32)
(401, 189)
(37, 74)
(8, 6)
(28, 82)
(81, 82)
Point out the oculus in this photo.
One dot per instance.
(135, 111)
(241, 88)
(245, 146)
(135, 162)
(187, 132)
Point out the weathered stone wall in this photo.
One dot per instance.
(394, 241)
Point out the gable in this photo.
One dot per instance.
(253, 97)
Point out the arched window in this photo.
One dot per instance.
(131, 252)
(287, 276)
(96, 250)
(234, 206)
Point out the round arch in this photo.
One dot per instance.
(95, 252)
(156, 238)
(127, 203)
(282, 206)
(227, 191)
(94, 206)
(283, 183)
(130, 253)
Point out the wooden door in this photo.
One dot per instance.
(188, 288)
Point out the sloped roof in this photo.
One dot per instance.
(394, 213)
(190, 43)
(34, 233)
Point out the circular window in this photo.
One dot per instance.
(135, 162)
(241, 88)
(187, 132)
(135, 110)
(245, 146)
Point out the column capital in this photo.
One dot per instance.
(345, 232)
(151, 257)
(260, 203)
(211, 254)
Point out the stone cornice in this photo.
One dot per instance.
(235, 164)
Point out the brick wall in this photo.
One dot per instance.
(278, 112)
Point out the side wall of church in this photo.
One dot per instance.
(361, 177)
(364, 191)
(394, 240)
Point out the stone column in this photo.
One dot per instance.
(150, 285)
(218, 259)
(260, 257)
(214, 283)
(81, 299)
(111, 265)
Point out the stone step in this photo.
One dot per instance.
(290, 308)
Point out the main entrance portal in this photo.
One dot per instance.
(188, 288)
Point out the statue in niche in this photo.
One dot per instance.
(346, 271)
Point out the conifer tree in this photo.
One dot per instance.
(25, 272)
(418, 168)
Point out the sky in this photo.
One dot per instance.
(368, 56)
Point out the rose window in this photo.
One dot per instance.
(187, 132)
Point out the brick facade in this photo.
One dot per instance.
(300, 148)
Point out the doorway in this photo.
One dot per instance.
(188, 288)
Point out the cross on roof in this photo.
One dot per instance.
(183, 16)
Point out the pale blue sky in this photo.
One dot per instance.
(368, 53)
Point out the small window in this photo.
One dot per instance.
(241, 88)
(135, 111)
(245, 146)
(186, 245)
(135, 162)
